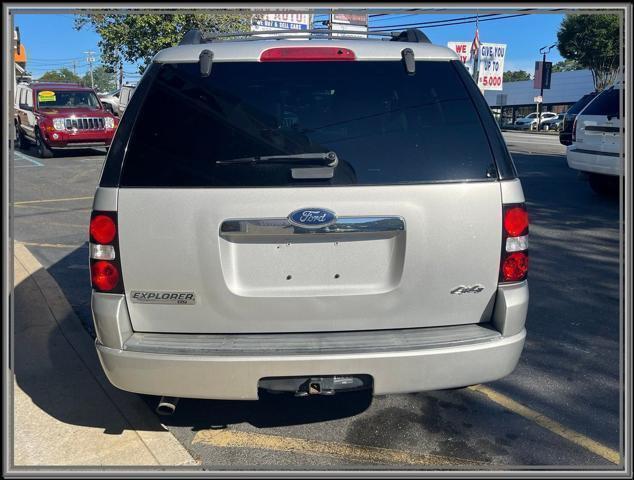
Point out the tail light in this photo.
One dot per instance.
(514, 261)
(105, 264)
(306, 54)
(574, 130)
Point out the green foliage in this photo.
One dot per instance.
(62, 75)
(566, 66)
(516, 76)
(104, 78)
(133, 38)
(592, 40)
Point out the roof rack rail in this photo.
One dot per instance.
(413, 35)
(193, 37)
(196, 37)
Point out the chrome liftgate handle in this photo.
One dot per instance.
(354, 227)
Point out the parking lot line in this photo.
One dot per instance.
(51, 245)
(237, 439)
(21, 156)
(549, 424)
(26, 202)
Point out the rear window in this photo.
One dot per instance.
(606, 103)
(577, 107)
(386, 127)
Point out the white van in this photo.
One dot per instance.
(597, 137)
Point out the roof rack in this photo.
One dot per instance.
(196, 37)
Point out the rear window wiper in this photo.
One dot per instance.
(329, 159)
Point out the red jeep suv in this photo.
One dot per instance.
(61, 116)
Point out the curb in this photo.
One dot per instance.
(162, 444)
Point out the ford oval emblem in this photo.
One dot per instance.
(312, 218)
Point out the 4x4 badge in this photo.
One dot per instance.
(466, 289)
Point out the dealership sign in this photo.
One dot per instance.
(280, 21)
(350, 22)
(463, 49)
(491, 72)
(490, 66)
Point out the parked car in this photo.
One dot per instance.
(529, 122)
(60, 116)
(125, 94)
(597, 142)
(565, 134)
(316, 228)
(110, 101)
(553, 123)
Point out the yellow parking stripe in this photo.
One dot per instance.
(549, 424)
(232, 438)
(53, 200)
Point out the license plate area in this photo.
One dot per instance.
(273, 258)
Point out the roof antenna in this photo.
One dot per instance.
(205, 60)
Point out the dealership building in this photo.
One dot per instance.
(517, 99)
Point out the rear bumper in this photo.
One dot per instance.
(237, 377)
(606, 163)
(230, 366)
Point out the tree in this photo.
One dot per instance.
(593, 42)
(62, 75)
(566, 66)
(516, 76)
(104, 79)
(130, 38)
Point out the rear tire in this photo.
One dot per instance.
(604, 185)
(43, 151)
(20, 139)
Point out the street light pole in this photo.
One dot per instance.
(543, 51)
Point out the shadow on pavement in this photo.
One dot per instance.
(80, 152)
(60, 398)
(269, 411)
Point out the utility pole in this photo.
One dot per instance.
(90, 59)
(120, 74)
(74, 68)
(543, 51)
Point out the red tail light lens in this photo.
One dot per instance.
(515, 221)
(514, 261)
(515, 267)
(307, 54)
(105, 275)
(105, 265)
(102, 229)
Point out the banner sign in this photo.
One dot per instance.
(463, 49)
(543, 71)
(352, 22)
(491, 70)
(280, 21)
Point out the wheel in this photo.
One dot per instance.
(42, 149)
(20, 139)
(604, 185)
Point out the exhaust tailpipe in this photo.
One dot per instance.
(167, 405)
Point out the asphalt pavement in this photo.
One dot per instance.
(560, 408)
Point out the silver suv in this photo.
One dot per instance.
(307, 215)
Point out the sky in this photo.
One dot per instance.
(51, 41)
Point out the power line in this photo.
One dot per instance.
(389, 28)
(434, 22)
